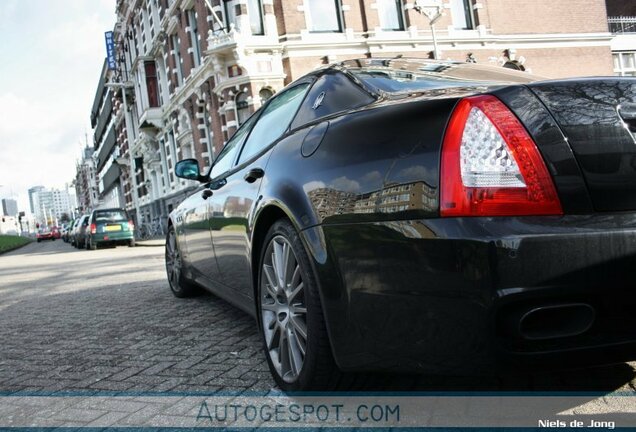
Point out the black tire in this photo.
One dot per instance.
(39, 240)
(319, 370)
(180, 286)
(131, 243)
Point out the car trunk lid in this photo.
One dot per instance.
(596, 116)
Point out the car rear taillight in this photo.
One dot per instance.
(131, 225)
(93, 228)
(491, 166)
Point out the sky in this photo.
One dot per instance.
(51, 55)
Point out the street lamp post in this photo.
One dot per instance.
(433, 10)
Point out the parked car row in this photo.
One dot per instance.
(101, 227)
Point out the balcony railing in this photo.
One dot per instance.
(622, 24)
(223, 41)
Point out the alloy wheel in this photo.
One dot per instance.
(173, 261)
(283, 309)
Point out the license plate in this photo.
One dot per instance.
(113, 228)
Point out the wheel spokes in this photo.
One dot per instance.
(277, 261)
(295, 356)
(271, 279)
(295, 292)
(173, 260)
(299, 326)
(271, 307)
(271, 337)
(283, 309)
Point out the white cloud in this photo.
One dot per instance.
(417, 172)
(373, 178)
(313, 185)
(345, 184)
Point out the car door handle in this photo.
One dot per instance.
(207, 193)
(253, 175)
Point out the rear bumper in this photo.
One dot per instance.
(112, 237)
(448, 295)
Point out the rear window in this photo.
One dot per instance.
(399, 81)
(415, 75)
(106, 216)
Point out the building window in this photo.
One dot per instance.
(162, 75)
(242, 108)
(624, 63)
(391, 16)
(152, 84)
(324, 15)
(462, 13)
(151, 23)
(265, 94)
(255, 11)
(176, 55)
(208, 136)
(230, 14)
(194, 37)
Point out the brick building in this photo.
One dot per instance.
(191, 71)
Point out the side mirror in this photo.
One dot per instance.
(188, 169)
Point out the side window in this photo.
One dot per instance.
(274, 121)
(332, 93)
(225, 160)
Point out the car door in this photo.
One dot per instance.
(234, 202)
(199, 250)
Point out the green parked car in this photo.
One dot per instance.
(109, 226)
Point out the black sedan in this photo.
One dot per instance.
(420, 216)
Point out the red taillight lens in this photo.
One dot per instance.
(93, 228)
(131, 225)
(491, 166)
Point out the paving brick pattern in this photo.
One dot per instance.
(105, 320)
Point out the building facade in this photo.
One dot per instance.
(622, 25)
(51, 205)
(32, 193)
(85, 181)
(9, 207)
(107, 143)
(190, 72)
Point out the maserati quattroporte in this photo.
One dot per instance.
(421, 216)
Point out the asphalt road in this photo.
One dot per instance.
(106, 321)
